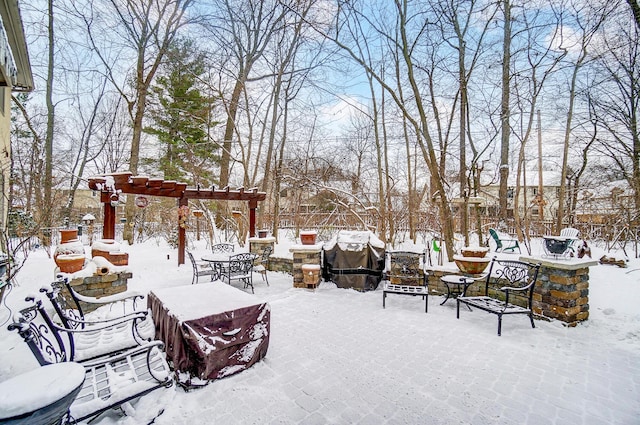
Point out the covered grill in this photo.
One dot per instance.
(354, 259)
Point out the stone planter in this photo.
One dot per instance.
(308, 238)
(263, 233)
(474, 251)
(69, 244)
(68, 235)
(471, 265)
(70, 263)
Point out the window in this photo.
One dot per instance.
(510, 193)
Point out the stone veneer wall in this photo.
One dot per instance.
(98, 286)
(562, 291)
(280, 264)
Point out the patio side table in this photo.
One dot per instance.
(456, 285)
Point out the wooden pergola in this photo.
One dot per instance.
(111, 185)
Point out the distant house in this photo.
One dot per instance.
(593, 204)
(15, 76)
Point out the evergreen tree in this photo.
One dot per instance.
(182, 117)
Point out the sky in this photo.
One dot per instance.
(336, 356)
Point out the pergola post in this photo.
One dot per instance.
(182, 233)
(253, 204)
(109, 224)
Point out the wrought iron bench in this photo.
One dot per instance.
(406, 276)
(516, 297)
(109, 381)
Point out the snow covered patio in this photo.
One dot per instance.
(335, 356)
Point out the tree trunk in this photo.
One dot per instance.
(505, 113)
(47, 209)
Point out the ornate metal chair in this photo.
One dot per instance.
(510, 293)
(406, 276)
(261, 263)
(240, 268)
(223, 248)
(202, 268)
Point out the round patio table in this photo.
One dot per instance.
(41, 396)
(455, 284)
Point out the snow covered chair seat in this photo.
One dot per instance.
(109, 381)
(93, 339)
(406, 276)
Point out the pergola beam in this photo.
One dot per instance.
(116, 183)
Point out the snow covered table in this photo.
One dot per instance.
(210, 330)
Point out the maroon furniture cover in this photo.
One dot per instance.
(210, 330)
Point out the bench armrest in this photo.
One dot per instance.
(122, 296)
(98, 325)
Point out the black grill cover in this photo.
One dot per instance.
(354, 259)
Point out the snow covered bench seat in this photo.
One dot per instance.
(110, 381)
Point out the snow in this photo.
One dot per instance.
(56, 381)
(189, 302)
(335, 356)
(351, 240)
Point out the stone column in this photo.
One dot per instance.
(562, 289)
(98, 286)
(257, 245)
(304, 254)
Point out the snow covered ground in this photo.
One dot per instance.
(335, 356)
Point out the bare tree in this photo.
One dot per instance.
(242, 31)
(142, 30)
(615, 97)
(588, 20)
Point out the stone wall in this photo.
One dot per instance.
(98, 286)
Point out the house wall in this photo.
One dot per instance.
(5, 152)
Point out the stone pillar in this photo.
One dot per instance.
(562, 290)
(98, 286)
(304, 254)
(256, 245)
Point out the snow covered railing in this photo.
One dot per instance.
(109, 381)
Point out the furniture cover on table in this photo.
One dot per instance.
(212, 330)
